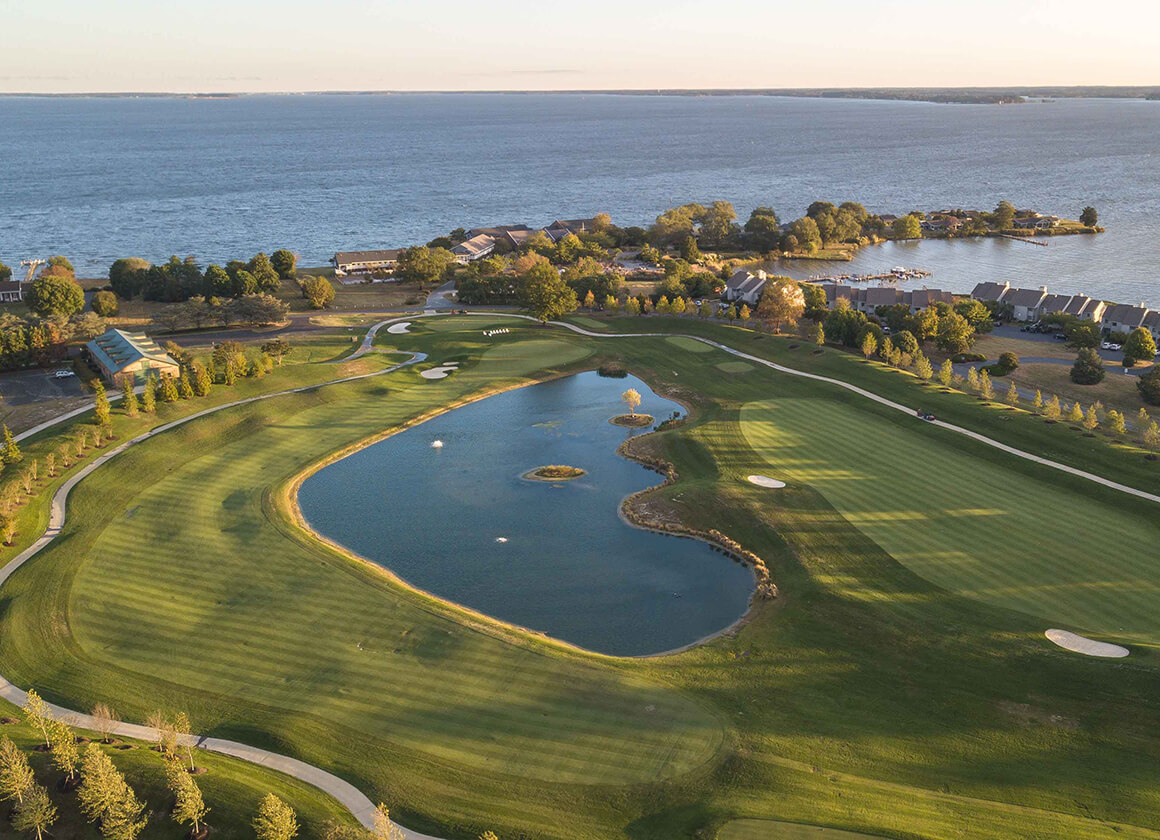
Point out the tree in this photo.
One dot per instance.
(11, 453)
(35, 813)
(1008, 361)
(105, 303)
(1037, 403)
(1140, 347)
(1004, 215)
(126, 276)
(37, 715)
(546, 295)
(869, 344)
(52, 294)
(284, 262)
(104, 719)
(1152, 436)
(805, 235)
(972, 379)
(66, 755)
(743, 313)
(318, 291)
(123, 820)
(955, 333)
(101, 410)
(149, 396)
(814, 333)
(986, 389)
(1091, 419)
(689, 250)
(632, 306)
(1012, 397)
(275, 820)
(5, 273)
(15, 773)
(488, 835)
(922, 368)
(1088, 368)
(718, 223)
(1089, 216)
(631, 398)
(189, 808)
(384, 826)
(762, 231)
(277, 348)
(259, 310)
(1116, 423)
(907, 227)
(782, 302)
(946, 374)
(1075, 413)
(1052, 410)
(61, 262)
(421, 264)
(169, 391)
(264, 274)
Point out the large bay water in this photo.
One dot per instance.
(103, 178)
(567, 565)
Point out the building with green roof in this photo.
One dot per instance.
(120, 354)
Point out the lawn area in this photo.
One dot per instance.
(231, 788)
(1118, 390)
(871, 695)
(992, 346)
(989, 532)
(772, 830)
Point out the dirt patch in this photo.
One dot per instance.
(1027, 715)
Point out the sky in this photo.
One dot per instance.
(181, 46)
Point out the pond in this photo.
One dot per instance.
(461, 522)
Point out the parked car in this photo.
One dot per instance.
(63, 373)
(1113, 346)
(1060, 337)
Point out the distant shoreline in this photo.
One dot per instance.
(956, 95)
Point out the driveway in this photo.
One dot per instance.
(32, 386)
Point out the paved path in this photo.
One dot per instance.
(870, 395)
(347, 794)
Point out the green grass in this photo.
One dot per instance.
(970, 525)
(772, 830)
(231, 788)
(866, 697)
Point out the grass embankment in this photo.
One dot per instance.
(865, 697)
(771, 830)
(231, 788)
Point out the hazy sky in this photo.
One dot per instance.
(287, 45)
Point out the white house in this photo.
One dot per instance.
(475, 248)
(745, 286)
(1124, 317)
(1025, 302)
(365, 262)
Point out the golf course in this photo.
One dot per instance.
(899, 685)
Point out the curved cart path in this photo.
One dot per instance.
(348, 795)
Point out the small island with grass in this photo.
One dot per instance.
(632, 421)
(554, 472)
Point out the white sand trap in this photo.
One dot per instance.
(399, 329)
(437, 372)
(765, 481)
(1082, 644)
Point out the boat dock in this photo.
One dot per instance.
(1029, 240)
(895, 274)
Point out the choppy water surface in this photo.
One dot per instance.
(103, 178)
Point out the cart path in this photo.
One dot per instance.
(344, 792)
(349, 796)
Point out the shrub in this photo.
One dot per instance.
(1088, 368)
(1008, 361)
(962, 358)
(105, 304)
(1149, 386)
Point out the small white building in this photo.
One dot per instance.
(475, 248)
(365, 262)
(1124, 317)
(745, 286)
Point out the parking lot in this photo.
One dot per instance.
(26, 387)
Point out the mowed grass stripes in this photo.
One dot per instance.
(190, 583)
(968, 524)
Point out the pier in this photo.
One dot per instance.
(895, 274)
(1029, 240)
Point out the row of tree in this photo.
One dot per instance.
(199, 311)
(106, 799)
(42, 341)
(180, 279)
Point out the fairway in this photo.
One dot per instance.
(1022, 542)
(772, 830)
(862, 697)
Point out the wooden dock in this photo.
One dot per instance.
(894, 275)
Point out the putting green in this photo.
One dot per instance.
(689, 344)
(773, 830)
(966, 523)
(734, 367)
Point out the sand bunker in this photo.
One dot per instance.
(1082, 644)
(439, 372)
(398, 329)
(765, 481)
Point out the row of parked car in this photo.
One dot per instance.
(1040, 327)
